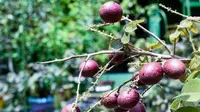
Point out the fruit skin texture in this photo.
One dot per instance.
(118, 109)
(174, 68)
(151, 73)
(140, 107)
(116, 58)
(110, 101)
(69, 107)
(128, 98)
(90, 69)
(111, 12)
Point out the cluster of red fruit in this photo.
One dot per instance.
(128, 100)
(151, 73)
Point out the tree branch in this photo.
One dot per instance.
(152, 34)
(81, 56)
(79, 83)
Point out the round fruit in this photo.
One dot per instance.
(128, 98)
(111, 12)
(116, 58)
(69, 107)
(118, 109)
(174, 68)
(151, 73)
(90, 69)
(110, 101)
(140, 107)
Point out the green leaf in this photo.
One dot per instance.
(174, 37)
(188, 109)
(193, 75)
(185, 24)
(191, 85)
(154, 45)
(195, 53)
(194, 63)
(132, 26)
(189, 97)
(125, 39)
(194, 29)
(116, 44)
(184, 32)
(175, 104)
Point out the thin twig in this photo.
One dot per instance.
(172, 11)
(191, 40)
(147, 89)
(196, 19)
(99, 25)
(97, 103)
(96, 81)
(133, 78)
(102, 33)
(81, 56)
(152, 34)
(174, 50)
(133, 52)
(79, 83)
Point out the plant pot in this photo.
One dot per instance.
(44, 104)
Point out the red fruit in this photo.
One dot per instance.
(151, 73)
(128, 98)
(116, 58)
(118, 109)
(140, 83)
(174, 68)
(111, 12)
(69, 107)
(90, 69)
(110, 101)
(140, 107)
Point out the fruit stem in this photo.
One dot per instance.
(79, 83)
(174, 50)
(147, 89)
(191, 40)
(134, 77)
(102, 71)
(152, 34)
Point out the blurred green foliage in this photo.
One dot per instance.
(40, 30)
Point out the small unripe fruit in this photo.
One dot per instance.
(110, 101)
(111, 12)
(90, 69)
(140, 107)
(151, 73)
(116, 58)
(69, 108)
(128, 98)
(174, 68)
